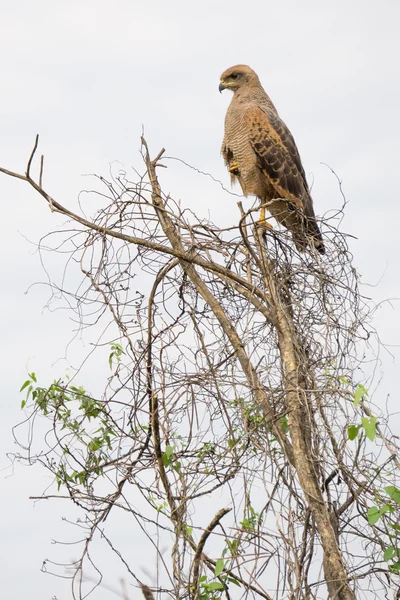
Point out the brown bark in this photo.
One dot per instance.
(303, 461)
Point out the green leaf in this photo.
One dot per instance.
(395, 568)
(370, 427)
(234, 581)
(233, 546)
(215, 585)
(177, 466)
(284, 424)
(24, 385)
(168, 456)
(386, 508)
(344, 380)
(352, 431)
(389, 553)
(116, 353)
(373, 515)
(161, 506)
(169, 451)
(166, 460)
(23, 403)
(219, 567)
(33, 376)
(393, 492)
(359, 393)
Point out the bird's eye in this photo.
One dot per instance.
(234, 76)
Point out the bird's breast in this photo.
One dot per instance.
(237, 139)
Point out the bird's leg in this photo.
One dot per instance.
(262, 222)
(234, 168)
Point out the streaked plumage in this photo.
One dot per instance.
(261, 154)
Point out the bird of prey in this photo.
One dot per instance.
(261, 153)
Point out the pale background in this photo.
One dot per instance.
(86, 76)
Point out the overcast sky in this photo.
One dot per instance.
(87, 75)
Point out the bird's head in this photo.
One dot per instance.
(236, 77)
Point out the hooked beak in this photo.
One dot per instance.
(221, 87)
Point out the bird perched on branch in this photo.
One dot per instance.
(261, 153)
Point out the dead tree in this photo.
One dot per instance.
(233, 381)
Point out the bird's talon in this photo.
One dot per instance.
(234, 169)
(263, 223)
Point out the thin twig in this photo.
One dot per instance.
(199, 550)
(28, 168)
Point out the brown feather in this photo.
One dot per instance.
(273, 157)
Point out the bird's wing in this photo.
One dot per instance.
(277, 156)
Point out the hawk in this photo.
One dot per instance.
(260, 152)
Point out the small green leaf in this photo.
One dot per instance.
(284, 424)
(24, 385)
(359, 393)
(389, 553)
(166, 460)
(169, 451)
(219, 567)
(23, 403)
(233, 546)
(395, 568)
(344, 380)
(215, 585)
(373, 515)
(386, 508)
(177, 466)
(352, 431)
(393, 492)
(369, 427)
(234, 581)
(168, 457)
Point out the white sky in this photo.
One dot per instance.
(87, 75)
